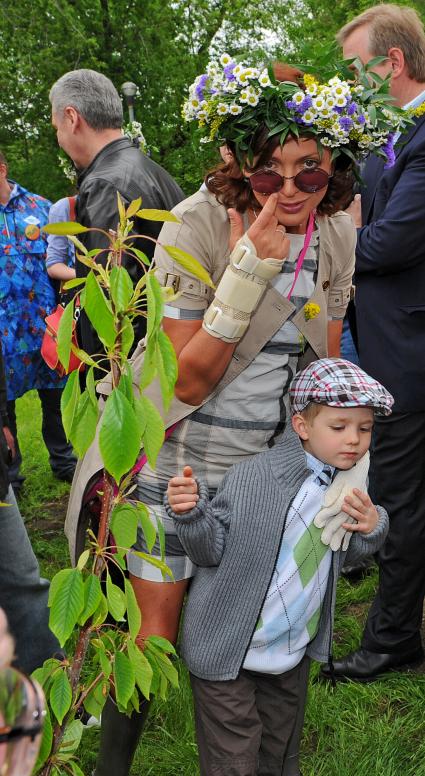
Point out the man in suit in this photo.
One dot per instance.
(87, 115)
(390, 304)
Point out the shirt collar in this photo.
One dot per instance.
(418, 100)
(317, 466)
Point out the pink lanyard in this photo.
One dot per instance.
(303, 251)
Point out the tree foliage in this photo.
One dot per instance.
(161, 45)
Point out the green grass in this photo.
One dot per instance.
(353, 730)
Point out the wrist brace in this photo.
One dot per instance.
(239, 292)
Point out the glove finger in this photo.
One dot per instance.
(346, 541)
(337, 538)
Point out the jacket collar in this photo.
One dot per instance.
(407, 136)
(16, 191)
(109, 148)
(288, 460)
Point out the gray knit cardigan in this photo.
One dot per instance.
(234, 540)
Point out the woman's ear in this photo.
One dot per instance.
(300, 426)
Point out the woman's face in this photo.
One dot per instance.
(294, 206)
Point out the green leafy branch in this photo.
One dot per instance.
(121, 424)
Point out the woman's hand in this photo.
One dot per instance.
(182, 492)
(268, 236)
(359, 506)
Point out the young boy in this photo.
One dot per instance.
(262, 601)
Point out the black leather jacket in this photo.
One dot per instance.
(4, 451)
(121, 166)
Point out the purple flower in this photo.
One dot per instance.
(345, 123)
(351, 108)
(306, 103)
(388, 150)
(361, 119)
(200, 86)
(228, 71)
(291, 104)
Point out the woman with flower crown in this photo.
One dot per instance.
(268, 229)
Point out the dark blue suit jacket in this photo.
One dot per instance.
(390, 272)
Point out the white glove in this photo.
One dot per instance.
(330, 517)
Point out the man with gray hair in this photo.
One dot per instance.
(87, 115)
(390, 312)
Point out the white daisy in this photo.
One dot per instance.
(222, 109)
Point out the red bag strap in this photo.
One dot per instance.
(72, 203)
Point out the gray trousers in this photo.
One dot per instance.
(252, 725)
(23, 594)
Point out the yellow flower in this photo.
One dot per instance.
(419, 111)
(310, 80)
(311, 310)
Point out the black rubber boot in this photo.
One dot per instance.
(119, 736)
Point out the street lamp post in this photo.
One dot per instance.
(129, 90)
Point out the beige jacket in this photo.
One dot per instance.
(204, 233)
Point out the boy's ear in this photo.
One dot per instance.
(300, 426)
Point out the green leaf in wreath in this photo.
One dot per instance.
(60, 695)
(119, 440)
(66, 601)
(124, 679)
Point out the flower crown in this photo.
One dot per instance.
(231, 100)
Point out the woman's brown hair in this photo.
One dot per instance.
(227, 182)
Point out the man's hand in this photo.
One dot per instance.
(10, 441)
(268, 236)
(354, 209)
(182, 492)
(359, 506)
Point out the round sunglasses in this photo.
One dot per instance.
(270, 182)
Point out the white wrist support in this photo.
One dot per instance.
(239, 292)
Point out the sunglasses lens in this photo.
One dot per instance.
(311, 180)
(264, 182)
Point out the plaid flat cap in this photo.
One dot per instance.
(338, 383)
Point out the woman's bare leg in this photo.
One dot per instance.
(160, 604)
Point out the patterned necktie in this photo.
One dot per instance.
(325, 476)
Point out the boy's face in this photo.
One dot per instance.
(339, 436)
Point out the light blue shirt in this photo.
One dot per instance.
(59, 249)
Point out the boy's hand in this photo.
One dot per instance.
(182, 492)
(359, 506)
